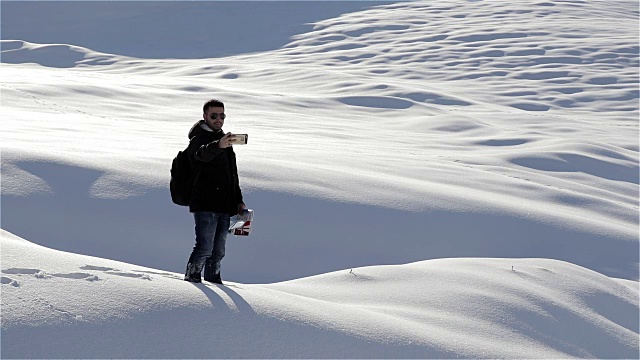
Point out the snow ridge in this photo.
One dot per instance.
(430, 309)
(456, 179)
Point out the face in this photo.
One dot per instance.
(214, 124)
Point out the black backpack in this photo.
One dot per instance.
(183, 178)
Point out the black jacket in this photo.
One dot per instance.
(217, 188)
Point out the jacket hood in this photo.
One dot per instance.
(199, 127)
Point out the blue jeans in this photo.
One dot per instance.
(211, 237)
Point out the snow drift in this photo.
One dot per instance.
(498, 308)
(455, 179)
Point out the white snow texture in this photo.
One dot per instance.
(430, 179)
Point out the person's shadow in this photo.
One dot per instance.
(240, 305)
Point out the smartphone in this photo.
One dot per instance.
(241, 139)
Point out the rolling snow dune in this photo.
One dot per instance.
(376, 109)
(430, 179)
(470, 308)
(169, 29)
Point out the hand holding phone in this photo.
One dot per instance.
(239, 139)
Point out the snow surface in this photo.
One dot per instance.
(430, 179)
(83, 306)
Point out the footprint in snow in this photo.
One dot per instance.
(79, 276)
(41, 274)
(116, 272)
(163, 274)
(8, 281)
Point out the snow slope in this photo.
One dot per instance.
(81, 306)
(439, 133)
(435, 144)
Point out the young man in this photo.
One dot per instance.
(216, 194)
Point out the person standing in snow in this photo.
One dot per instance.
(216, 194)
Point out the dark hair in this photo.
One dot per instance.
(212, 103)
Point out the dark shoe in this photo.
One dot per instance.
(193, 273)
(215, 278)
